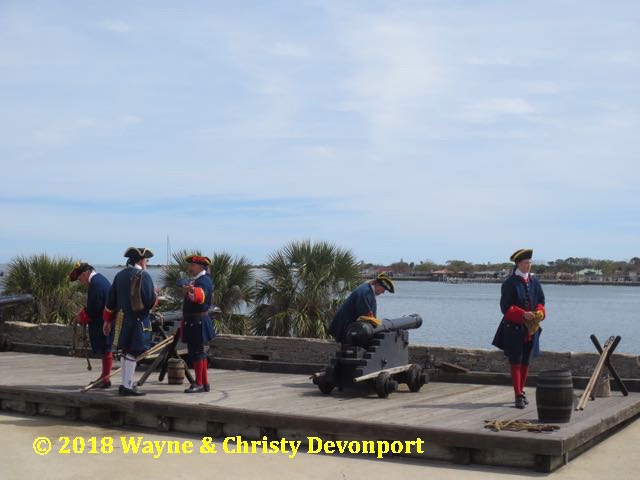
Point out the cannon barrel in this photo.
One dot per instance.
(407, 322)
(11, 300)
(361, 333)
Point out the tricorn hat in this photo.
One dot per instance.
(78, 269)
(199, 259)
(386, 282)
(522, 254)
(138, 253)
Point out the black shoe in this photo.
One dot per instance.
(524, 397)
(106, 384)
(130, 392)
(206, 387)
(195, 389)
(520, 402)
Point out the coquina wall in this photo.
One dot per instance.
(313, 351)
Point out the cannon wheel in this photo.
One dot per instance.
(325, 386)
(385, 384)
(324, 383)
(415, 378)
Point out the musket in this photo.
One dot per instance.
(85, 340)
(74, 343)
(116, 333)
(75, 348)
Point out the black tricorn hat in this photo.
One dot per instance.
(386, 283)
(198, 259)
(522, 254)
(78, 269)
(138, 253)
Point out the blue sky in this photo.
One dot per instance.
(416, 130)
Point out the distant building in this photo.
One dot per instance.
(485, 275)
(590, 275)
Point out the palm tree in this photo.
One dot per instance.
(56, 299)
(305, 283)
(234, 290)
(233, 287)
(170, 276)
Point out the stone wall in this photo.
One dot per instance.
(313, 351)
(302, 350)
(37, 333)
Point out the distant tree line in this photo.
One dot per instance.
(571, 265)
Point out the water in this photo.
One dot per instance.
(467, 315)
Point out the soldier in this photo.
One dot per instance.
(523, 306)
(196, 327)
(91, 315)
(361, 302)
(133, 296)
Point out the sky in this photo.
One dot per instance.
(408, 129)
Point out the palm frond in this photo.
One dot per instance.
(302, 287)
(56, 299)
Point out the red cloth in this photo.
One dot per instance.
(516, 378)
(108, 315)
(205, 371)
(107, 363)
(198, 371)
(524, 370)
(197, 295)
(83, 317)
(515, 314)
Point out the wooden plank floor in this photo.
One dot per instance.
(461, 408)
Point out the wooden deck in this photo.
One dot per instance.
(448, 417)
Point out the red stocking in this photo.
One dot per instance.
(198, 371)
(516, 378)
(107, 362)
(205, 375)
(524, 370)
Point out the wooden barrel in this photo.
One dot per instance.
(175, 371)
(554, 396)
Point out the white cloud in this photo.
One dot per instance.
(291, 50)
(392, 59)
(115, 25)
(363, 97)
(490, 109)
(491, 61)
(130, 120)
(63, 131)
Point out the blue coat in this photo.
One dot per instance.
(362, 301)
(510, 337)
(135, 334)
(198, 329)
(96, 300)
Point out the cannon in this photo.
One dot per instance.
(13, 300)
(7, 301)
(374, 354)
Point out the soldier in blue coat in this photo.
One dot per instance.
(523, 307)
(91, 315)
(133, 295)
(361, 302)
(196, 327)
